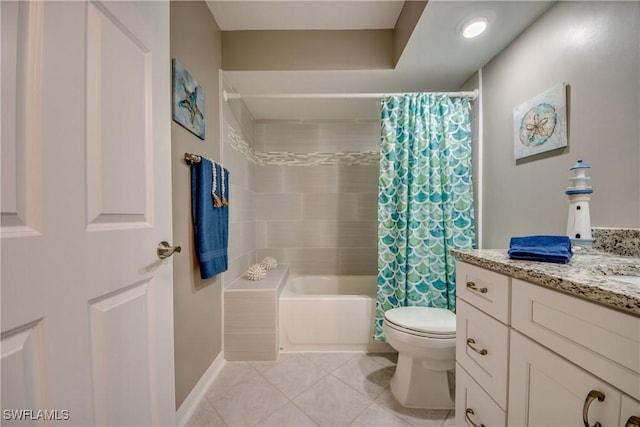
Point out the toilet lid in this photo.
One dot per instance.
(430, 320)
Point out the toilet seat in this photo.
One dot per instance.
(428, 322)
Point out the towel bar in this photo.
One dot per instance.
(191, 158)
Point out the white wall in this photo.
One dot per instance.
(595, 48)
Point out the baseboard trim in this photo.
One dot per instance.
(188, 407)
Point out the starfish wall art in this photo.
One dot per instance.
(188, 100)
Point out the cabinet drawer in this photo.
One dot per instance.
(601, 340)
(484, 289)
(482, 346)
(470, 396)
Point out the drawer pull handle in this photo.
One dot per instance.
(470, 412)
(593, 395)
(471, 341)
(633, 421)
(473, 287)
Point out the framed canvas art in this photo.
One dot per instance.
(540, 124)
(188, 101)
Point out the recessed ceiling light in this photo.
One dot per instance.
(474, 27)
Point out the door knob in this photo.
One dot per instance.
(165, 250)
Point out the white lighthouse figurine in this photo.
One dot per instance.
(579, 222)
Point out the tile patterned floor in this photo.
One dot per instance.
(311, 389)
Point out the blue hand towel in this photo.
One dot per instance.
(211, 224)
(541, 248)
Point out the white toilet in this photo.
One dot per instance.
(425, 339)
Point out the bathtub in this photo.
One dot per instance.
(328, 313)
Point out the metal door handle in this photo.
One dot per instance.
(593, 395)
(473, 287)
(633, 421)
(469, 411)
(165, 250)
(482, 352)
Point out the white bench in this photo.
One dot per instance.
(251, 317)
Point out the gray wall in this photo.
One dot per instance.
(263, 50)
(595, 48)
(195, 42)
(320, 49)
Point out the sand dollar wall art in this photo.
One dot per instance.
(188, 101)
(540, 124)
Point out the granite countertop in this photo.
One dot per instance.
(587, 276)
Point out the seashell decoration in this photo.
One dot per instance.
(256, 272)
(269, 263)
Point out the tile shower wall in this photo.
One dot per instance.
(238, 128)
(318, 216)
(324, 136)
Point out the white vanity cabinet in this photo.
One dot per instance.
(567, 361)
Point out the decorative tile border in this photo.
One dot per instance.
(346, 158)
(237, 142)
(343, 158)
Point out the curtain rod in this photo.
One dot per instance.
(472, 95)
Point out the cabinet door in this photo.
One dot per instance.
(474, 407)
(547, 390)
(600, 340)
(629, 412)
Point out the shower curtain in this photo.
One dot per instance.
(425, 200)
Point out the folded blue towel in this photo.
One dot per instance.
(541, 248)
(211, 224)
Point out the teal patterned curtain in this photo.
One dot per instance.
(425, 200)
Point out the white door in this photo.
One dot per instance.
(87, 306)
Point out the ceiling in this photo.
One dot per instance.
(436, 57)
